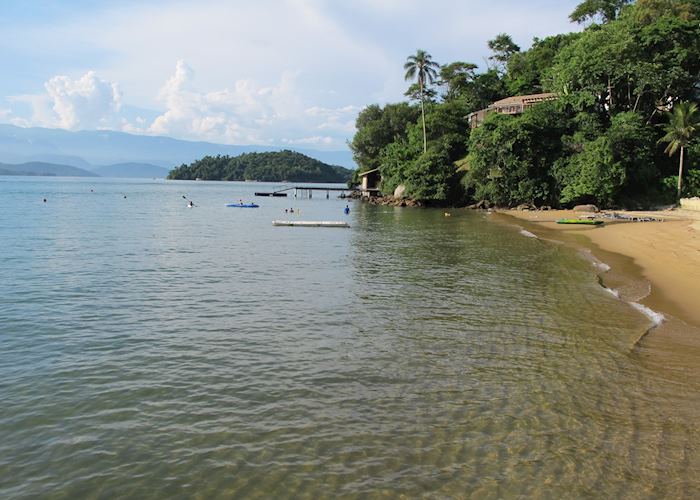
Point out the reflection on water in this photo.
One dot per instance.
(154, 351)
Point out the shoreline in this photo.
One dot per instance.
(666, 255)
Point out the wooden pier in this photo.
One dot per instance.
(310, 223)
(307, 191)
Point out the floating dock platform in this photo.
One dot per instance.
(310, 223)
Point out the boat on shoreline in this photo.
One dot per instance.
(589, 222)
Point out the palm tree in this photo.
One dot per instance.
(682, 126)
(422, 67)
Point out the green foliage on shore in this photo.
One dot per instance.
(617, 82)
(265, 167)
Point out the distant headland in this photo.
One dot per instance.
(266, 167)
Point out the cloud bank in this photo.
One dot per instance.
(88, 102)
(266, 72)
(246, 113)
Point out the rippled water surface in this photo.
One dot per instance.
(154, 351)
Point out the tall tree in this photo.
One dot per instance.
(421, 67)
(503, 48)
(683, 125)
(457, 77)
(607, 10)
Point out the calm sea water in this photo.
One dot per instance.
(149, 350)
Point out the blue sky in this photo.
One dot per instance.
(276, 72)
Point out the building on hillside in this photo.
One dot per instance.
(370, 183)
(509, 106)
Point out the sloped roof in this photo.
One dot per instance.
(368, 172)
(520, 99)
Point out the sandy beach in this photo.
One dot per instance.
(667, 253)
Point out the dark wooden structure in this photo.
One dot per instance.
(371, 181)
(509, 106)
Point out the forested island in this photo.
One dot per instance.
(607, 115)
(265, 167)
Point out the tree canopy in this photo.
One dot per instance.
(503, 48)
(606, 10)
(614, 84)
(267, 167)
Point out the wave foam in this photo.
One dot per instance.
(612, 291)
(602, 266)
(656, 317)
(527, 233)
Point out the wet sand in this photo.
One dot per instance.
(666, 253)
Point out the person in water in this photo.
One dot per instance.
(291, 210)
(190, 204)
(346, 209)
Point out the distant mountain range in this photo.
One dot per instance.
(131, 170)
(46, 169)
(118, 154)
(57, 170)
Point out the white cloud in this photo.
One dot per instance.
(341, 120)
(316, 140)
(88, 102)
(246, 113)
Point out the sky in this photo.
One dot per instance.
(264, 72)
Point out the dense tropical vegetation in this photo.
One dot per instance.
(267, 167)
(621, 84)
(682, 127)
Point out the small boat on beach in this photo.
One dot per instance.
(589, 222)
(243, 205)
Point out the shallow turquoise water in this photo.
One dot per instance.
(155, 351)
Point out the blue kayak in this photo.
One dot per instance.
(243, 205)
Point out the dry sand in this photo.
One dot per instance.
(666, 253)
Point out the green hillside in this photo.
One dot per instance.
(266, 167)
